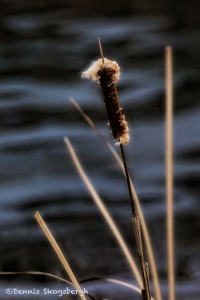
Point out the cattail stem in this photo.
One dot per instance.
(145, 291)
(128, 180)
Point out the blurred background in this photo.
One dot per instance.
(44, 47)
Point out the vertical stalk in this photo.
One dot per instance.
(169, 169)
(145, 291)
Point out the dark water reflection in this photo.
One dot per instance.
(43, 52)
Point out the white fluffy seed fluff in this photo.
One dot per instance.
(92, 71)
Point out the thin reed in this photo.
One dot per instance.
(59, 253)
(145, 291)
(169, 170)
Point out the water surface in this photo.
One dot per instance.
(42, 56)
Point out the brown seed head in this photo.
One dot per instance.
(107, 74)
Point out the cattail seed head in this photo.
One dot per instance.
(107, 73)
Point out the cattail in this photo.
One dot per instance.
(107, 73)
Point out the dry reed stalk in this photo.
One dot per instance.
(106, 72)
(146, 295)
(59, 253)
(169, 169)
(109, 220)
(144, 228)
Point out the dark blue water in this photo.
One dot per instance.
(44, 48)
